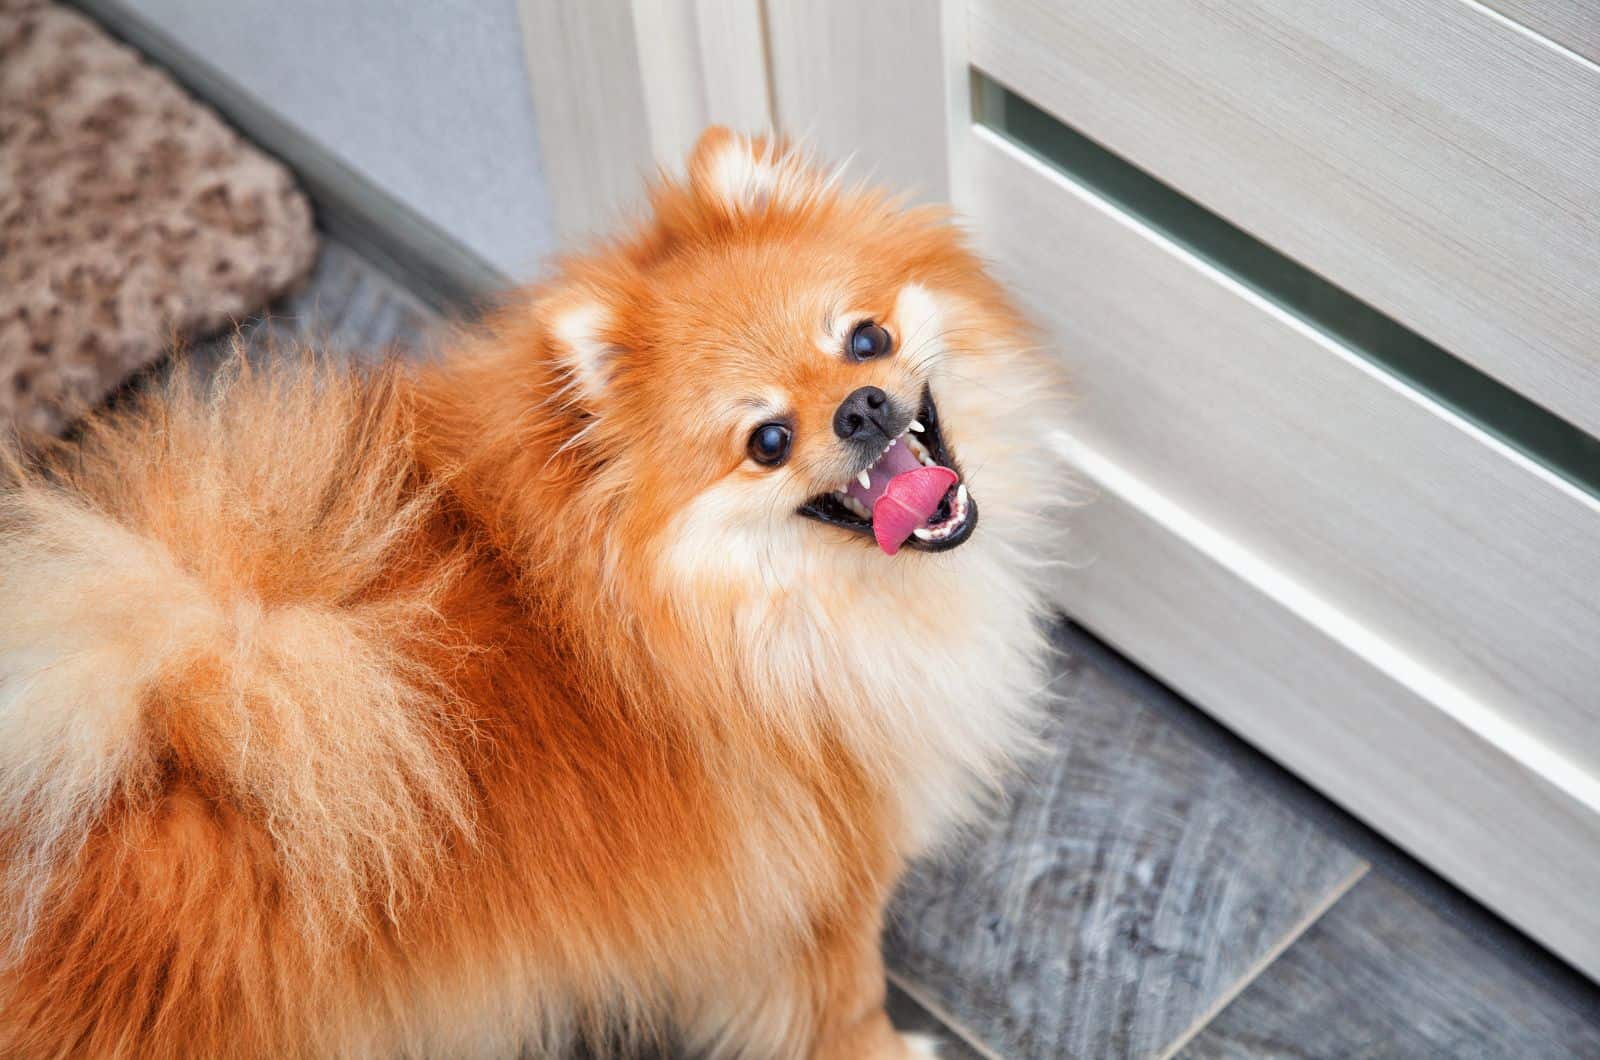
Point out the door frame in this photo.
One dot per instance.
(622, 88)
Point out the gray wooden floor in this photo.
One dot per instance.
(346, 306)
(1154, 886)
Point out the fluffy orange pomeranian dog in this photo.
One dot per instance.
(591, 683)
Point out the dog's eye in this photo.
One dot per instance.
(769, 443)
(869, 340)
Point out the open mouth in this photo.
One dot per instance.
(911, 495)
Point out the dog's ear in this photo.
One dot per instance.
(743, 174)
(576, 321)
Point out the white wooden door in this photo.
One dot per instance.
(1328, 277)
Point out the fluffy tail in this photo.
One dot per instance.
(219, 641)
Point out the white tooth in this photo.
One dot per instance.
(865, 480)
(925, 535)
(919, 428)
(961, 494)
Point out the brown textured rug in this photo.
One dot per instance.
(131, 217)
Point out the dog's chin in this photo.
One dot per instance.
(949, 526)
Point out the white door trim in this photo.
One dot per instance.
(622, 89)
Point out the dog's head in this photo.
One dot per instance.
(777, 381)
(778, 454)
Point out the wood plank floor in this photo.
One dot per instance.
(346, 307)
(1383, 975)
(1134, 879)
(1152, 884)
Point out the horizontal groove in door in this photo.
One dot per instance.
(1438, 538)
(1430, 157)
(1497, 409)
(1570, 24)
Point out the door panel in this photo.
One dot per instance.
(1436, 537)
(1432, 159)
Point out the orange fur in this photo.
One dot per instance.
(465, 710)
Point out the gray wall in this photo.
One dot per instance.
(429, 100)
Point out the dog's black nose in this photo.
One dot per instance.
(860, 409)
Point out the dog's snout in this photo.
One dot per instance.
(861, 408)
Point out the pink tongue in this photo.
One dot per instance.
(902, 496)
(907, 502)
